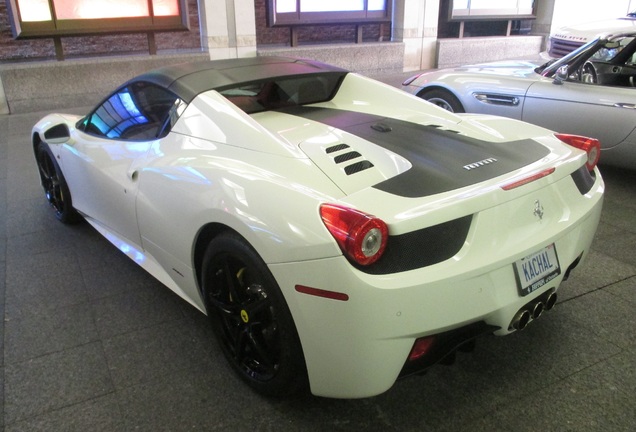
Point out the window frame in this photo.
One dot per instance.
(310, 18)
(79, 27)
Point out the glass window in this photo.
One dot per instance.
(91, 9)
(331, 5)
(465, 9)
(85, 9)
(35, 10)
(165, 7)
(286, 12)
(67, 17)
(283, 93)
(141, 111)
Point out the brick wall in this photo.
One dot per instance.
(12, 50)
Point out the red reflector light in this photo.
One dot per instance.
(421, 347)
(361, 237)
(591, 146)
(322, 293)
(529, 179)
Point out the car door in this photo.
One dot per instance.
(604, 112)
(106, 150)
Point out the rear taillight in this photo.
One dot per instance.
(361, 237)
(591, 146)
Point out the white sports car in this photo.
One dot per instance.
(339, 233)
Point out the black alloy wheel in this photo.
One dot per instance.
(251, 319)
(54, 185)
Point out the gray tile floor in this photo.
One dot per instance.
(92, 343)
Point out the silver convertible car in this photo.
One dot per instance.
(338, 232)
(590, 92)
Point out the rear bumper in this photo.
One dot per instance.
(358, 347)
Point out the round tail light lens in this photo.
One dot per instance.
(361, 237)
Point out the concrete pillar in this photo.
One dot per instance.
(544, 10)
(228, 28)
(415, 24)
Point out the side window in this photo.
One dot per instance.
(140, 111)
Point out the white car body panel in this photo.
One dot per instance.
(265, 175)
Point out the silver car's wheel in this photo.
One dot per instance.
(443, 99)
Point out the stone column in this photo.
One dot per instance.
(415, 24)
(544, 10)
(228, 28)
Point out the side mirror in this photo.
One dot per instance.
(561, 75)
(58, 134)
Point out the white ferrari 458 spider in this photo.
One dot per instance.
(338, 232)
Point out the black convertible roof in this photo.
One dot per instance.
(187, 80)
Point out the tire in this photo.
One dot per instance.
(55, 187)
(250, 318)
(443, 99)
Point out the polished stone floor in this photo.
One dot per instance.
(92, 343)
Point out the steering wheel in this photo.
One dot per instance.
(589, 75)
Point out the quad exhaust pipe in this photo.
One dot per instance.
(532, 311)
(520, 320)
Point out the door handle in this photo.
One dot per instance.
(625, 105)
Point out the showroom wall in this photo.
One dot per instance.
(238, 28)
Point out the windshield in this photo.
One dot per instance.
(599, 50)
(253, 97)
(549, 68)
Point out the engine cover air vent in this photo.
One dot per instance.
(336, 148)
(342, 154)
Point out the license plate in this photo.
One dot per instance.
(537, 269)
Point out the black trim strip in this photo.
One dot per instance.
(583, 179)
(421, 248)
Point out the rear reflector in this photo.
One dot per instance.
(322, 293)
(421, 347)
(529, 179)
